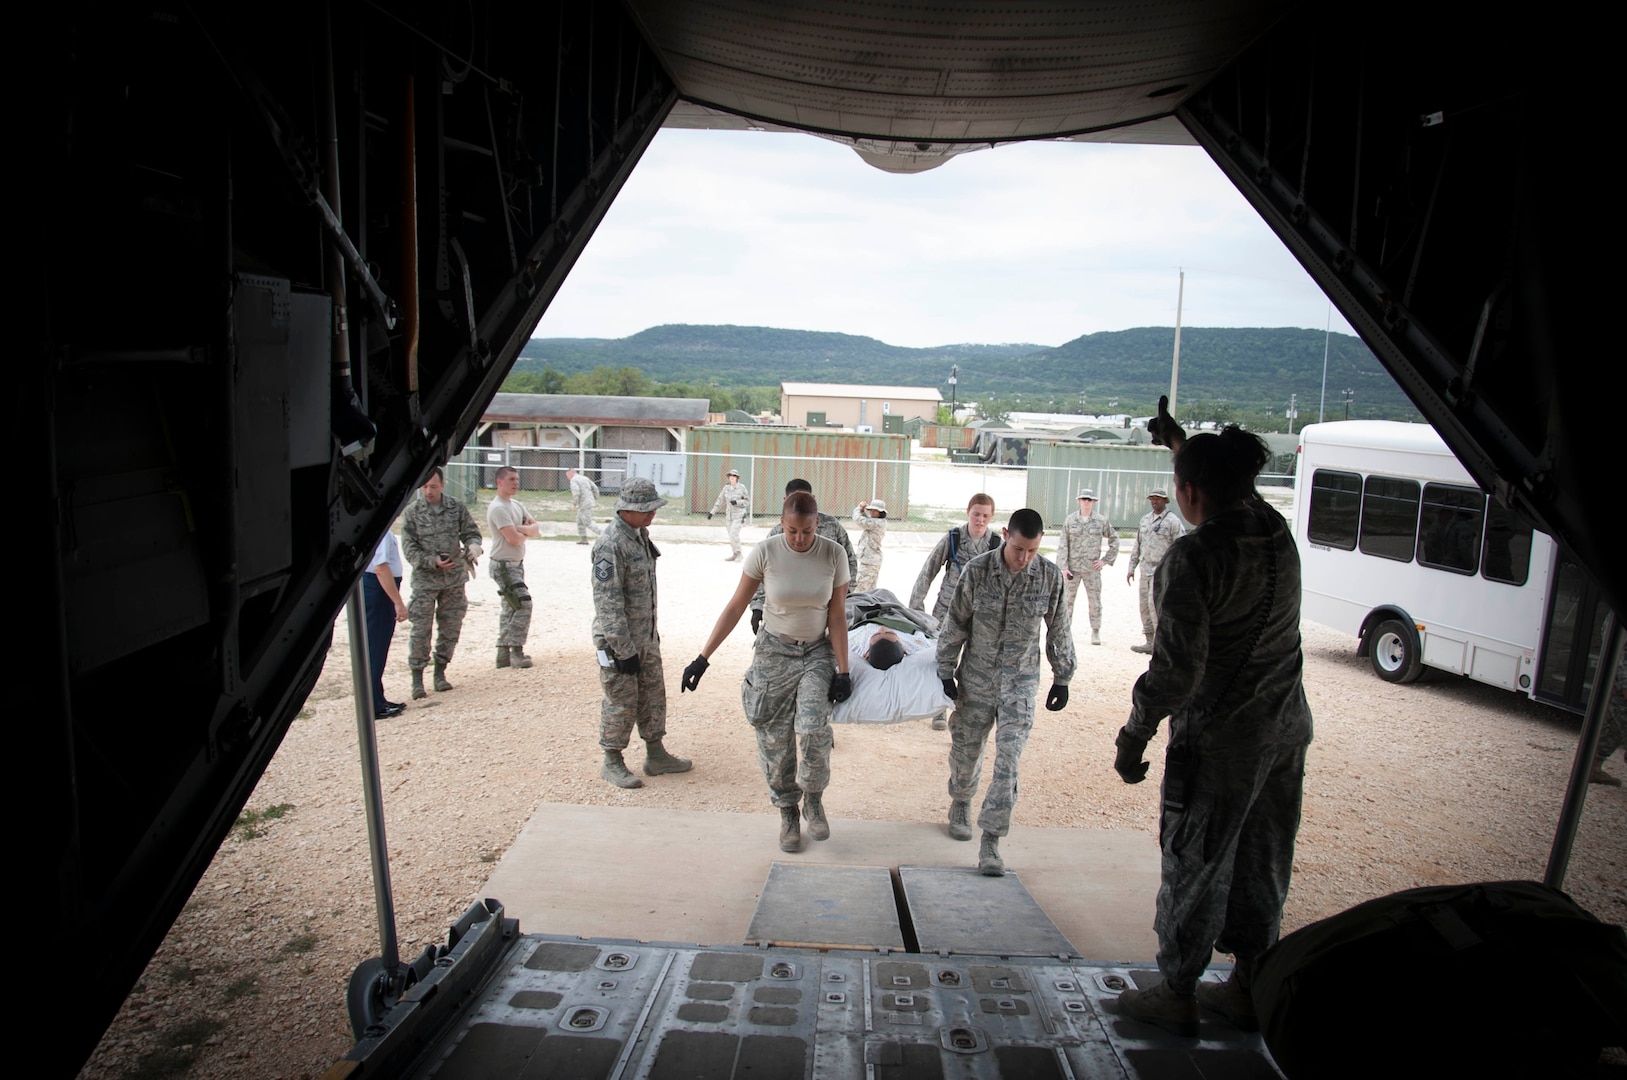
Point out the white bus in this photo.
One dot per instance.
(1400, 547)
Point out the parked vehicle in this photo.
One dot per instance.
(1400, 547)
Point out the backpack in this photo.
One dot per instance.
(954, 545)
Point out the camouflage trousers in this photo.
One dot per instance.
(1227, 827)
(786, 694)
(1011, 720)
(636, 700)
(430, 606)
(734, 523)
(869, 570)
(514, 621)
(584, 523)
(1149, 611)
(1093, 593)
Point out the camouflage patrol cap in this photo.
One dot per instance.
(638, 494)
(1087, 493)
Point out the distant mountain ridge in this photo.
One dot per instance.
(1250, 368)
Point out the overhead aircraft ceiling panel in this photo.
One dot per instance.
(945, 72)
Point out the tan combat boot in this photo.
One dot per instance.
(418, 690)
(441, 685)
(989, 863)
(813, 808)
(658, 762)
(615, 770)
(790, 829)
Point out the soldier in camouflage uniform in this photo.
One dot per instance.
(511, 527)
(1227, 671)
(959, 546)
(625, 637)
(1615, 725)
(830, 527)
(584, 496)
(1158, 530)
(871, 518)
(1079, 554)
(442, 544)
(988, 659)
(799, 665)
(735, 502)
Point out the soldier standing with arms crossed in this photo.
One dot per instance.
(442, 543)
(511, 527)
(624, 633)
(736, 501)
(584, 496)
(1079, 554)
(1157, 531)
(995, 617)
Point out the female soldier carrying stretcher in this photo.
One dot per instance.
(799, 664)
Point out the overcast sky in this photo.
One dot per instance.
(1036, 242)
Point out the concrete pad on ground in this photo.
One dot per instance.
(694, 877)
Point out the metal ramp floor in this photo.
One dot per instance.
(1020, 1005)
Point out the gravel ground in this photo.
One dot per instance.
(1440, 782)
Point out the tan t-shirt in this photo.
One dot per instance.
(505, 512)
(797, 584)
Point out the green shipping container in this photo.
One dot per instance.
(1121, 476)
(845, 468)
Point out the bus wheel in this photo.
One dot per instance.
(1394, 652)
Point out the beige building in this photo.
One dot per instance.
(855, 407)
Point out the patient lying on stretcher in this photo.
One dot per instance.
(893, 659)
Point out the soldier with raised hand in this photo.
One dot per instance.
(1157, 531)
(988, 659)
(871, 518)
(584, 497)
(511, 527)
(1080, 556)
(734, 501)
(625, 637)
(442, 543)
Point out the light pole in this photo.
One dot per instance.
(954, 370)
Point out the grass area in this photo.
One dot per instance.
(300, 944)
(249, 823)
(247, 986)
(176, 1054)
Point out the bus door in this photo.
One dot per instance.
(1571, 637)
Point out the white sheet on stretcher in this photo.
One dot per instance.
(909, 690)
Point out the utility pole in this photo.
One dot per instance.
(1327, 339)
(1293, 411)
(1350, 395)
(1175, 369)
(954, 370)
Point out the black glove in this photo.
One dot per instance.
(949, 690)
(1057, 699)
(1128, 763)
(1163, 428)
(756, 620)
(693, 673)
(626, 665)
(708, 518)
(841, 687)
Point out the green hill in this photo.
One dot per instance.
(1239, 370)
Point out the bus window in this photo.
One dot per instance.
(1335, 508)
(1389, 518)
(1508, 546)
(1449, 528)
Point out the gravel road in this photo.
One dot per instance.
(1443, 781)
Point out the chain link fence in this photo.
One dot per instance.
(925, 494)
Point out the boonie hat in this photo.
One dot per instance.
(1087, 493)
(1158, 493)
(638, 495)
(732, 472)
(879, 507)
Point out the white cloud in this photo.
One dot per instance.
(1038, 242)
